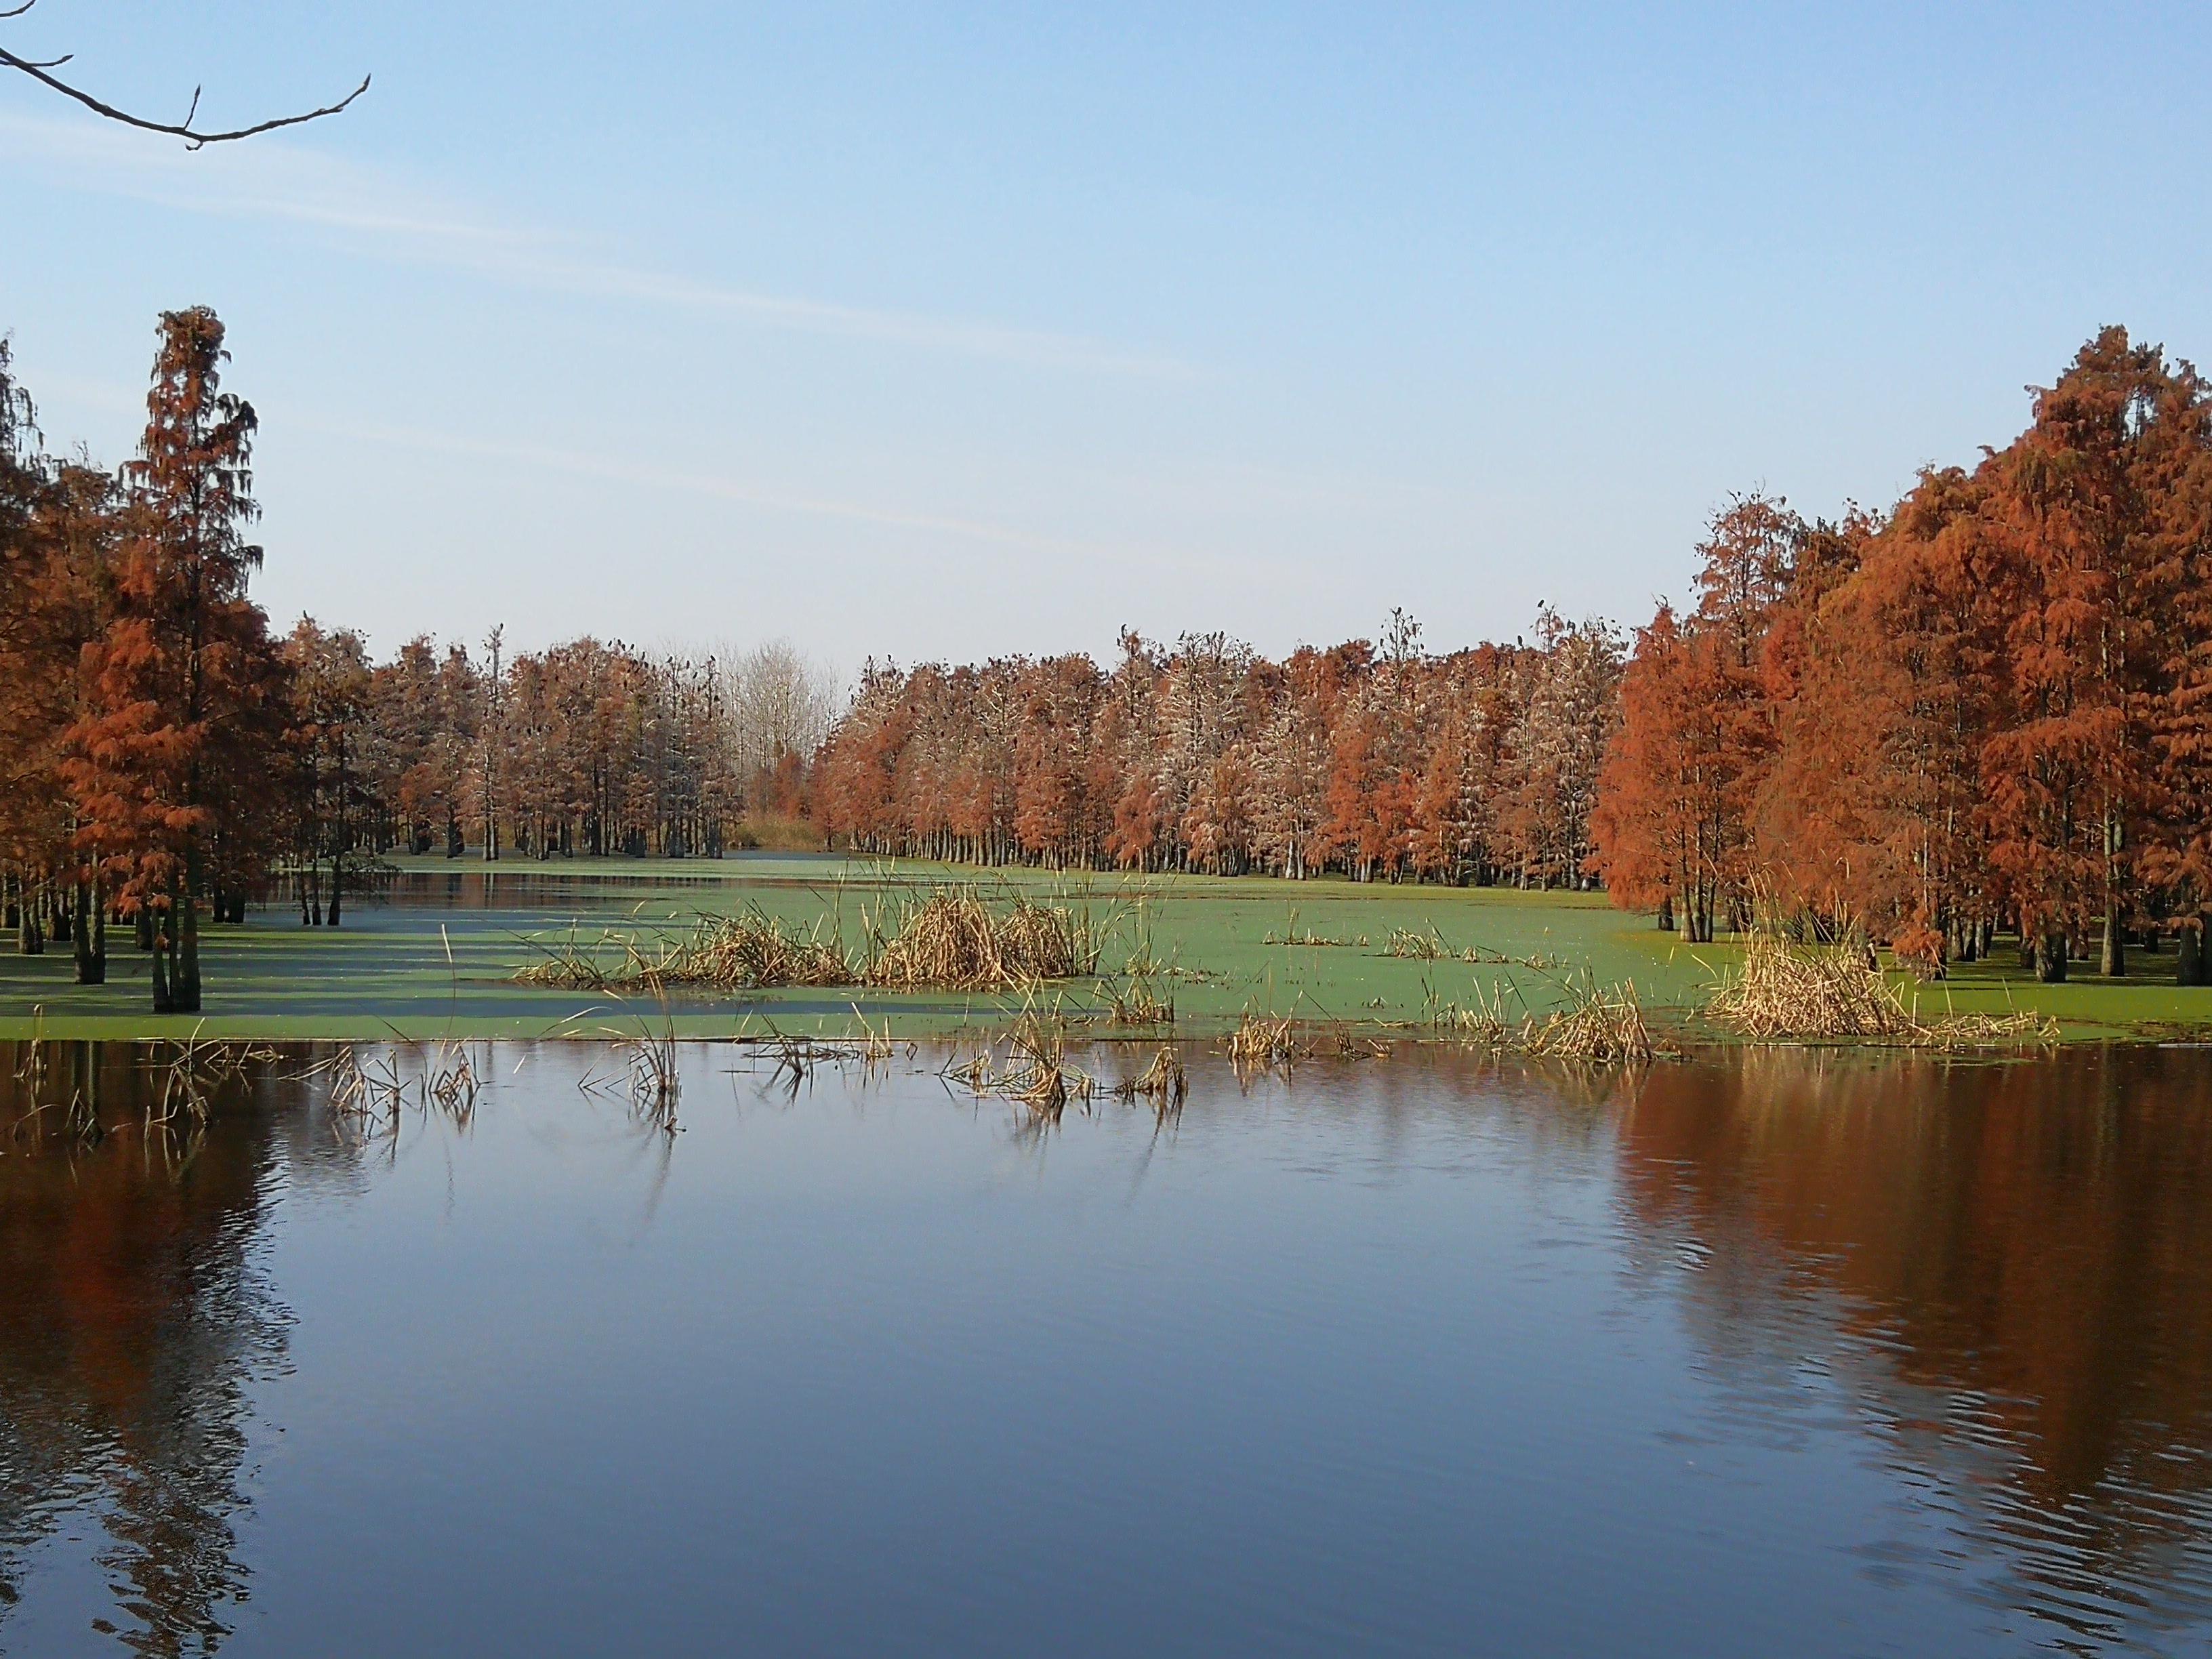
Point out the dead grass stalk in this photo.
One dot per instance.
(1787, 992)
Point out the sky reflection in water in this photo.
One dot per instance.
(1806, 1354)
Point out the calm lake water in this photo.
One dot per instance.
(1795, 1355)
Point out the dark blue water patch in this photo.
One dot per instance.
(1798, 1355)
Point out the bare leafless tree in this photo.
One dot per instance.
(42, 71)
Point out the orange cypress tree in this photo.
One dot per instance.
(183, 707)
(2070, 525)
(1650, 819)
(1681, 785)
(2174, 471)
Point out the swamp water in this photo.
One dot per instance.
(1796, 1354)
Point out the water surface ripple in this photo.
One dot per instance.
(1795, 1353)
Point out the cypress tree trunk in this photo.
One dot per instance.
(186, 988)
(162, 1005)
(2188, 957)
(2050, 959)
(1667, 914)
(91, 936)
(2113, 962)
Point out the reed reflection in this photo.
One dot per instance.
(2009, 1261)
(132, 1320)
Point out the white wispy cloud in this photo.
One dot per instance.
(615, 469)
(272, 180)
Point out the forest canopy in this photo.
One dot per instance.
(1984, 706)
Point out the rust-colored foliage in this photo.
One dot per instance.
(1385, 765)
(182, 691)
(1987, 705)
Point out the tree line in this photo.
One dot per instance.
(168, 756)
(1378, 761)
(1984, 708)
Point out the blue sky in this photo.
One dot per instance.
(943, 331)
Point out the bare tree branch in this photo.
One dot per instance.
(184, 129)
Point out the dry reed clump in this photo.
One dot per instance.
(364, 1100)
(1988, 1031)
(1260, 1044)
(1598, 1027)
(1417, 946)
(1036, 1074)
(750, 951)
(1412, 944)
(655, 1078)
(569, 965)
(1139, 1006)
(1163, 1083)
(360, 1098)
(795, 1058)
(1316, 941)
(1784, 991)
(756, 950)
(953, 941)
(451, 1082)
(950, 940)
(1602, 1028)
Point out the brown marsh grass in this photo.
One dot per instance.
(1599, 1025)
(1784, 991)
(951, 940)
(1163, 1083)
(1599, 1028)
(1260, 1043)
(1310, 939)
(752, 950)
(1793, 993)
(1989, 1031)
(1139, 1006)
(1413, 945)
(1036, 1074)
(363, 1099)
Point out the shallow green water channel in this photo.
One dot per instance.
(1792, 1354)
(435, 956)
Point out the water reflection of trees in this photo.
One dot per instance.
(133, 1317)
(2009, 1262)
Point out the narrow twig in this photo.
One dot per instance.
(39, 71)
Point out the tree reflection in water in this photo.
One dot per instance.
(2006, 1265)
(1995, 1275)
(133, 1320)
